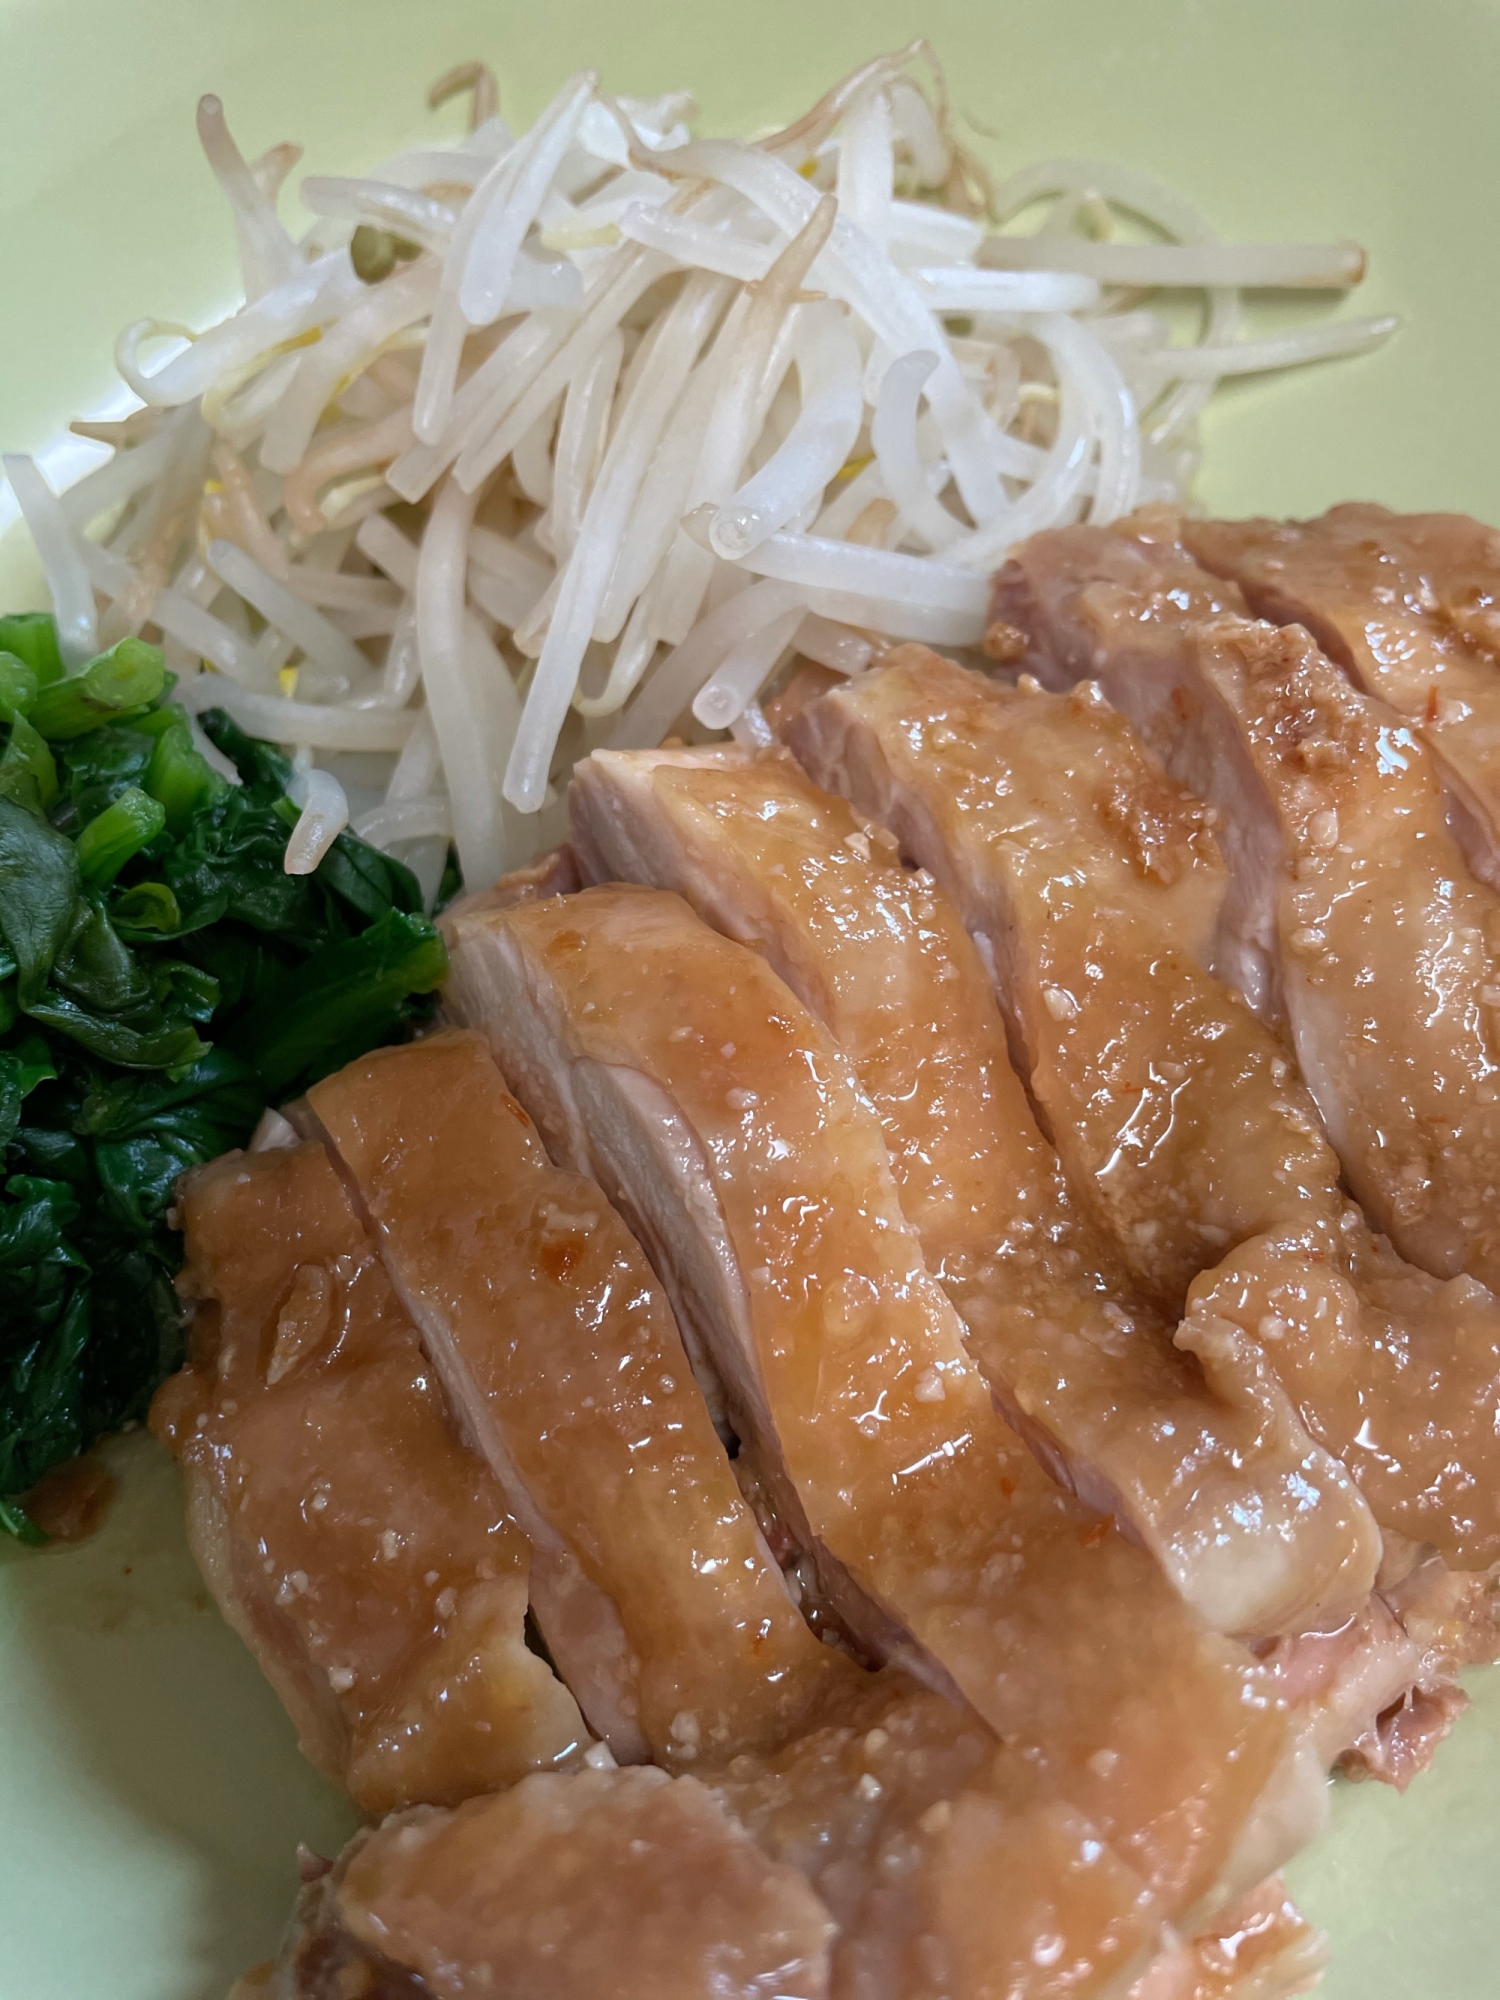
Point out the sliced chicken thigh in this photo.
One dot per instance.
(556, 1344)
(1256, 1526)
(365, 1556)
(718, 1115)
(1406, 1377)
(1092, 886)
(1409, 606)
(944, 1875)
(562, 1356)
(1174, 1083)
(618, 1885)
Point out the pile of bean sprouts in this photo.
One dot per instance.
(533, 443)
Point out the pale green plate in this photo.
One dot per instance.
(151, 1796)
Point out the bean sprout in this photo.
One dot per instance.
(324, 815)
(62, 561)
(614, 417)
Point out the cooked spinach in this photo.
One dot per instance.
(162, 978)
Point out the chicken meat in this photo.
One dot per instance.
(1243, 715)
(546, 1325)
(1407, 605)
(675, 1067)
(1177, 1110)
(363, 1554)
(1255, 1524)
(618, 1885)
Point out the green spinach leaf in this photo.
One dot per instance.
(161, 979)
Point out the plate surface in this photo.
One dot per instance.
(153, 1795)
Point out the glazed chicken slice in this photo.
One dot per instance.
(1387, 945)
(561, 1352)
(768, 858)
(562, 1357)
(1374, 1698)
(555, 1343)
(554, 872)
(944, 1872)
(908, 1822)
(1397, 1376)
(617, 1885)
(363, 1554)
(631, 1883)
(716, 1113)
(1259, 1947)
(1055, 593)
(1256, 1525)
(1367, 932)
(765, 857)
(1043, 592)
(1092, 886)
(516, 1271)
(1407, 605)
(1205, 695)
